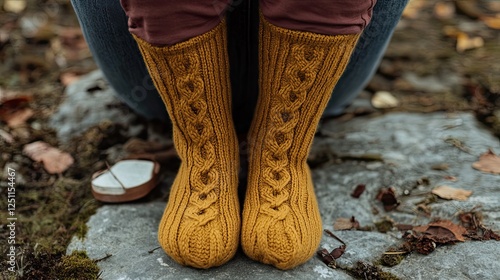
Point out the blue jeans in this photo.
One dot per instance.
(104, 26)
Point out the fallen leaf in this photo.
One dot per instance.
(54, 160)
(424, 239)
(447, 192)
(384, 100)
(442, 231)
(358, 191)
(404, 227)
(444, 10)
(15, 111)
(472, 221)
(388, 198)
(329, 258)
(488, 162)
(488, 234)
(14, 6)
(338, 252)
(491, 22)
(346, 224)
(464, 42)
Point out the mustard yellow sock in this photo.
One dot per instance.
(201, 223)
(298, 71)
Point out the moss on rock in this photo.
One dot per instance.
(76, 266)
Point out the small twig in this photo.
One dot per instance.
(395, 253)
(103, 258)
(457, 144)
(152, 250)
(334, 236)
(112, 174)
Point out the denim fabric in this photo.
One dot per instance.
(367, 55)
(105, 29)
(104, 26)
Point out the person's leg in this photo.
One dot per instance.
(201, 223)
(300, 61)
(367, 55)
(104, 26)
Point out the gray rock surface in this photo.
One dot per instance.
(406, 146)
(88, 102)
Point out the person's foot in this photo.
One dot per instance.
(201, 223)
(281, 220)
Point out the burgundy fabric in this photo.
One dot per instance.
(329, 17)
(167, 22)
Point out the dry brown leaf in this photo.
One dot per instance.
(472, 221)
(19, 117)
(447, 192)
(329, 258)
(404, 227)
(464, 42)
(15, 111)
(388, 198)
(442, 231)
(492, 22)
(488, 162)
(346, 224)
(358, 191)
(54, 160)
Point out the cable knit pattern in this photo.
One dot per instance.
(200, 225)
(298, 70)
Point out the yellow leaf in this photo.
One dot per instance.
(492, 22)
(464, 42)
(14, 6)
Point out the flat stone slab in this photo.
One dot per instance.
(87, 102)
(403, 148)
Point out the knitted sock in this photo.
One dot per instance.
(201, 223)
(298, 70)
